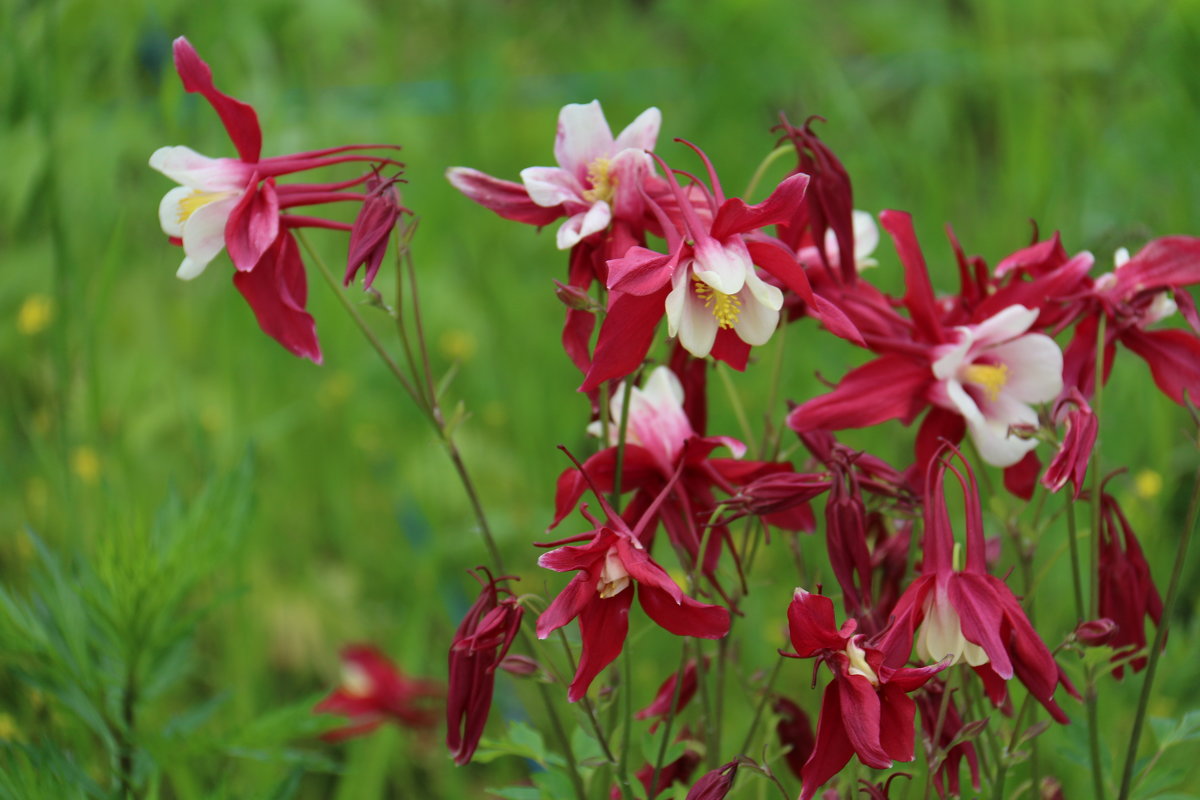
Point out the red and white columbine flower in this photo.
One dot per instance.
(598, 178)
(866, 710)
(991, 374)
(235, 204)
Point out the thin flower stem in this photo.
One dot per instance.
(934, 754)
(622, 431)
(763, 165)
(669, 722)
(758, 710)
(1094, 733)
(1072, 539)
(431, 412)
(1160, 639)
(397, 312)
(1002, 770)
(1091, 697)
(422, 349)
(627, 706)
(366, 330)
(735, 401)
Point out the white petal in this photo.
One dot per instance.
(583, 224)
(642, 133)
(866, 238)
(991, 436)
(951, 357)
(583, 136)
(184, 165)
(723, 267)
(1004, 325)
(697, 326)
(770, 296)
(756, 322)
(963, 402)
(677, 297)
(549, 186)
(204, 236)
(170, 210)
(1034, 364)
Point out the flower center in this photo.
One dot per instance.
(858, 662)
(197, 200)
(604, 184)
(991, 377)
(613, 575)
(940, 635)
(356, 681)
(725, 307)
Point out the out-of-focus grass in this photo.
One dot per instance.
(120, 382)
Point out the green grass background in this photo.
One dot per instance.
(1082, 116)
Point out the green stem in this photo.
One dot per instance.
(1076, 578)
(763, 165)
(669, 722)
(1160, 639)
(762, 703)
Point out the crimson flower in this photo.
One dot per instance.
(480, 645)
(866, 710)
(715, 785)
(968, 615)
(612, 567)
(374, 691)
(662, 706)
(235, 204)
(1071, 461)
(1127, 591)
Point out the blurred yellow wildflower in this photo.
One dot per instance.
(457, 344)
(85, 464)
(9, 732)
(35, 314)
(1147, 483)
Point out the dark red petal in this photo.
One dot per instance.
(862, 719)
(686, 618)
(833, 748)
(890, 387)
(1173, 357)
(239, 119)
(603, 625)
(735, 216)
(276, 290)
(811, 624)
(625, 336)
(979, 612)
(896, 731)
(918, 294)
(570, 602)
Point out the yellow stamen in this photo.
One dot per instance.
(991, 377)
(197, 200)
(604, 185)
(725, 307)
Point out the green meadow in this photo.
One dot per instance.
(191, 512)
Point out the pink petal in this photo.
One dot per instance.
(551, 186)
(642, 133)
(253, 225)
(508, 199)
(583, 136)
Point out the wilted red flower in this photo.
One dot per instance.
(374, 691)
(1127, 591)
(373, 227)
(1070, 463)
(480, 646)
(235, 204)
(1096, 632)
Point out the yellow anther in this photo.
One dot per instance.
(725, 307)
(604, 184)
(197, 200)
(991, 377)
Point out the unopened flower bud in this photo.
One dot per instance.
(523, 666)
(574, 297)
(1096, 632)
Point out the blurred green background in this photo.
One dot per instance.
(121, 384)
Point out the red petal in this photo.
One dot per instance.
(832, 750)
(918, 295)
(1173, 357)
(735, 216)
(896, 731)
(603, 626)
(862, 718)
(253, 224)
(890, 387)
(508, 199)
(625, 336)
(239, 119)
(978, 611)
(686, 618)
(276, 290)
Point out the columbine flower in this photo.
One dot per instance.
(866, 710)
(610, 569)
(669, 700)
(598, 178)
(480, 645)
(373, 691)
(991, 374)
(715, 785)
(236, 205)
(966, 614)
(1127, 591)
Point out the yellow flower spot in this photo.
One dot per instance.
(1147, 484)
(35, 314)
(725, 307)
(9, 732)
(197, 200)
(604, 184)
(991, 377)
(85, 464)
(335, 391)
(457, 345)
